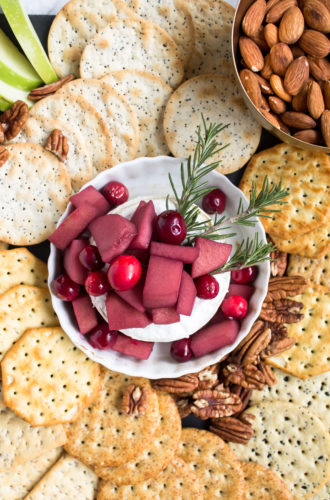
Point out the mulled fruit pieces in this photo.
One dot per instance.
(101, 337)
(234, 307)
(245, 275)
(213, 337)
(115, 192)
(96, 284)
(214, 202)
(171, 227)
(64, 288)
(124, 272)
(212, 255)
(207, 287)
(181, 350)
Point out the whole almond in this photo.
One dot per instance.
(276, 83)
(251, 85)
(325, 126)
(299, 101)
(326, 94)
(296, 51)
(275, 120)
(251, 54)
(300, 121)
(291, 25)
(276, 12)
(320, 68)
(276, 104)
(315, 101)
(280, 58)
(264, 104)
(314, 43)
(267, 71)
(254, 17)
(270, 4)
(259, 39)
(311, 136)
(317, 16)
(296, 75)
(271, 34)
(264, 85)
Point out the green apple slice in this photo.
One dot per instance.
(28, 39)
(10, 94)
(15, 69)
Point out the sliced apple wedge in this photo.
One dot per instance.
(10, 94)
(28, 39)
(15, 69)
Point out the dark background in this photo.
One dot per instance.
(42, 25)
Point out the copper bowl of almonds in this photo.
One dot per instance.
(281, 61)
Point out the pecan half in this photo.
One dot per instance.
(51, 88)
(276, 348)
(278, 261)
(214, 404)
(242, 393)
(183, 406)
(4, 155)
(2, 134)
(251, 346)
(248, 376)
(235, 430)
(13, 119)
(285, 286)
(267, 372)
(208, 377)
(181, 385)
(282, 311)
(134, 400)
(278, 330)
(57, 143)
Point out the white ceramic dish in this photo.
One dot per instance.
(148, 177)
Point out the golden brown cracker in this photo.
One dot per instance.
(263, 484)
(18, 266)
(316, 270)
(313, 245)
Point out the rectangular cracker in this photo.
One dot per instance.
(68, 478)
(20, 267)
(16, 484)
(317, 270)
(312, 245)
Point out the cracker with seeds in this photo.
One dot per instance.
(20, 442)
(46, 379)
(312, 393)
(178, 481)
(104, 435)
(160, 452)
(292, 442)
(216, 466)
(116, 112)
(34, 190)
(316, 270)
(18, 483)
(212, 26)
(311, 353)
(219, 99)
(83, 117)
(306, 174)
(263, 484)
(143, 46)
(67, 479)
(148, 95)
(313, 245)
(18, 266)
(23, 307)
(323, 493)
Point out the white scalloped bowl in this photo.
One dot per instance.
(148, 177)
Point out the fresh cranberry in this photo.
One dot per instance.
(64, 288)
(115, 192)
(124, 272)
(101, 337)
(207, 287)
(171, 227)
(235, 307)
(214, 202)
(181, 351)
(245, 275)
(96, 283)
(90, 258)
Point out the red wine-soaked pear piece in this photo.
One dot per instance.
(187, 295)
(143, 218)
(133, 296)
(165, 315)
(162, 283)
(112, 234)
(93, 197)
(85, 314)
(212, 255)
(121, 315)
(217, 318)
(243, 290)
(186, 254)
(141, 255)
(211, 338)
(131, 347)
(76, 271)
(73, 226)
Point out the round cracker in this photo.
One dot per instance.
(263, 484)
(143, 46)
(317, 270)
(116, 112)
(35, 189)
(176, 482)
(37, 129)
(218, 98)
(104, 435)
(216, 466)
(153, 459)
(83, 117)
(148, 95)
(291, 441)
